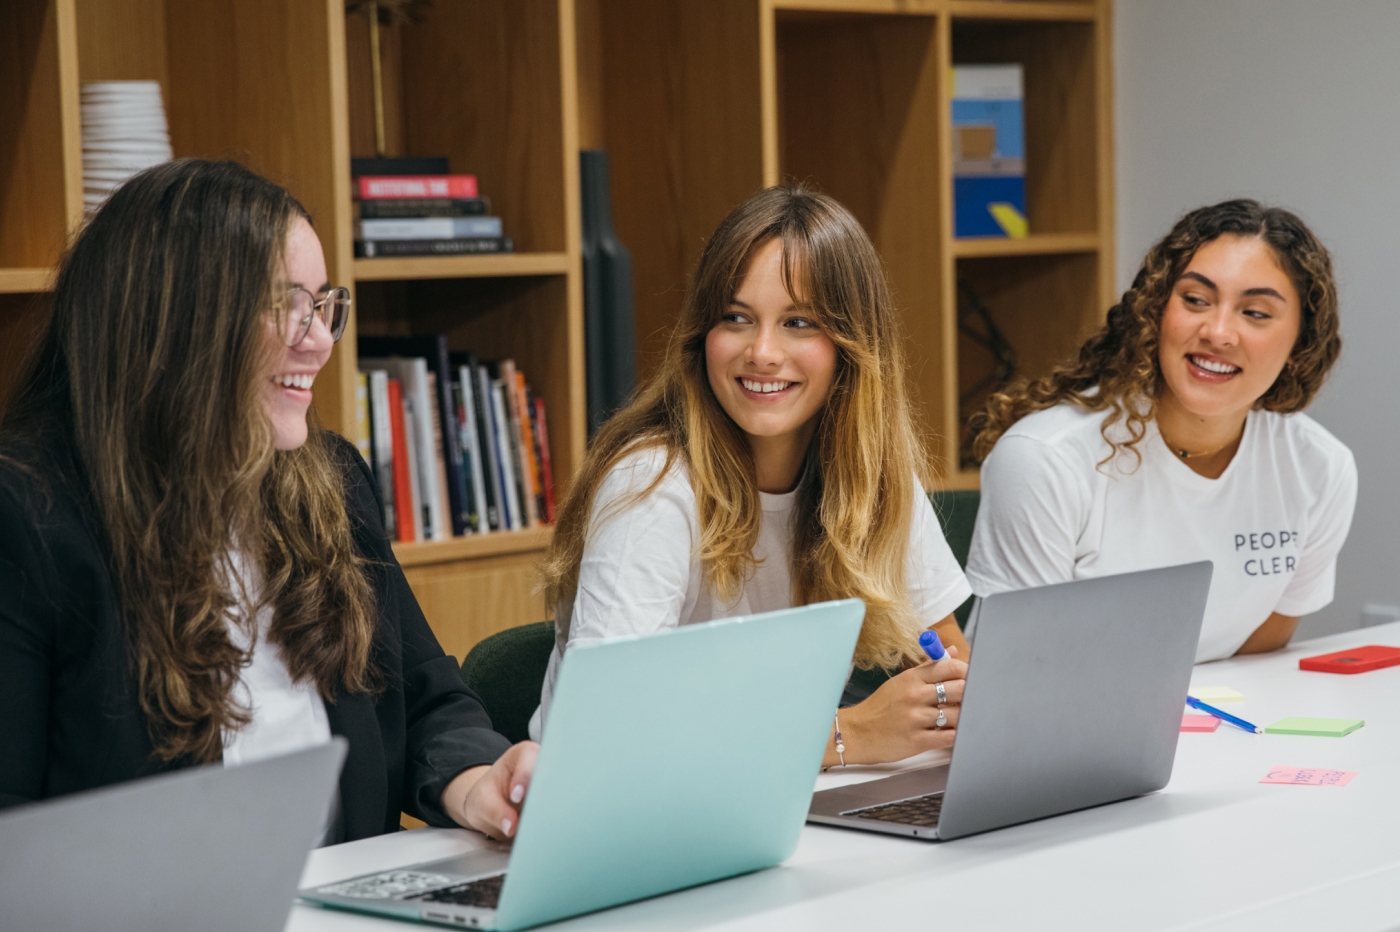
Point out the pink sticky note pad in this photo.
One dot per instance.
(1307, 776)
(1199, 723)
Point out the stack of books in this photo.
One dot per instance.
(458, 446)
(424, 215)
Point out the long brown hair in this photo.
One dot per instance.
(1118, 368)
(857, 498)
(151, 371)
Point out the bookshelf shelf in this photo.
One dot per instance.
(500, 543)
(503, 266)
(1042, 244)
(1044, 11)
(22, 281)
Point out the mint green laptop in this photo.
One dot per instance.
(668, 760)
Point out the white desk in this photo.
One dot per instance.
(1215, 850)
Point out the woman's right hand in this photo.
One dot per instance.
(900, 718)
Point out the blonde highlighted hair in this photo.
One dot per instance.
(860, 485)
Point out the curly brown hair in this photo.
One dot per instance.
(1117, 368)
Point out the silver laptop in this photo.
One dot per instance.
(212, 849)
(1073, 699)
(668, 760)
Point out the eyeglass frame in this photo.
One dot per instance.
(318, 308)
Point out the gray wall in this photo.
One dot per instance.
(1293, 102)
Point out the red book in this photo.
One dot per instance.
(546, 473)
(403, 491)
(385, 187)
(1356, 660)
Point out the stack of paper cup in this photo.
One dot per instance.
(124, 132)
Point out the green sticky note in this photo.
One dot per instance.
(1321, 727)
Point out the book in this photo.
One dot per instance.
(525, 490)
(501, 424)
(418, 403)
(382, 449)
(989, 165)
(546, 469)
(402, 186)
(390, 208)
(399, 165)
(486, 419)
(471, 453)
(362, 437)
(440, 438)
(428, 228)
(460, 505)
(422, 513)
(403, 494)
(462, 246)
(527, 446)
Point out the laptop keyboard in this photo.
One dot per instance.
(921, 810)
(484, 893)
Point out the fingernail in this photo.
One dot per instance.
(517, 793)
(505, 827)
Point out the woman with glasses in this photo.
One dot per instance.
(190, 573)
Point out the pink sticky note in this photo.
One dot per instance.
(1308, 776)
(1199, 723)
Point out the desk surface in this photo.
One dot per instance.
(1215, 850)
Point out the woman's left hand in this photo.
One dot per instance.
(488, 798)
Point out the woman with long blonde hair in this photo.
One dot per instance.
(190, 572)
(772, 462)
(1177, 435)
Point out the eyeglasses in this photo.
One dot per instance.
(296, 311)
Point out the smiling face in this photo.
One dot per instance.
(769, 364)
(291, 369)
(1228, 328)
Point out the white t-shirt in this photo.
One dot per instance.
(1272, 523)
(287, 716)
(641, 570)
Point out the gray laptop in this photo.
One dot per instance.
(668, 760)
(212, 849)
(1073, 699)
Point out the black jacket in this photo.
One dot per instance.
(69, 717)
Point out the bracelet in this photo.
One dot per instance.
(840, 745)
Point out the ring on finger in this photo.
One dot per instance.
(942, 694)
(941, 720)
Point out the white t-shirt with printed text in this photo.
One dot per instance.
(1272, 523)
(641, 571)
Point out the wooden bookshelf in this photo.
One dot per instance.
(699, 102)
(284, 88)
(852, 97)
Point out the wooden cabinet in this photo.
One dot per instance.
(699, 102)
(703, 102)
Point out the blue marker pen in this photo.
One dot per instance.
(932, 646)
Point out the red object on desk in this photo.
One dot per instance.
(1356, 660)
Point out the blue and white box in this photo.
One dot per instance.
(989, 151)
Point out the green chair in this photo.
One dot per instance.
(957, 514)
(507, 671)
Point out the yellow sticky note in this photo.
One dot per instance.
(1215, 694)
(1012, 222)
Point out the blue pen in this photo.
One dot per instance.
(1223, 716)
(932, 646)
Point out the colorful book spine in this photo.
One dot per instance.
(527, 446)
(505, 447)
(391, 208)
(546, 469)
(428, 228)
(403, 478)
(417, 488)
(398, 187)
(524, 492)
(465, 246)
(989, 152)
(471, 453)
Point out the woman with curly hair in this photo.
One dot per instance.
(773, 462)
(1176, 435)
